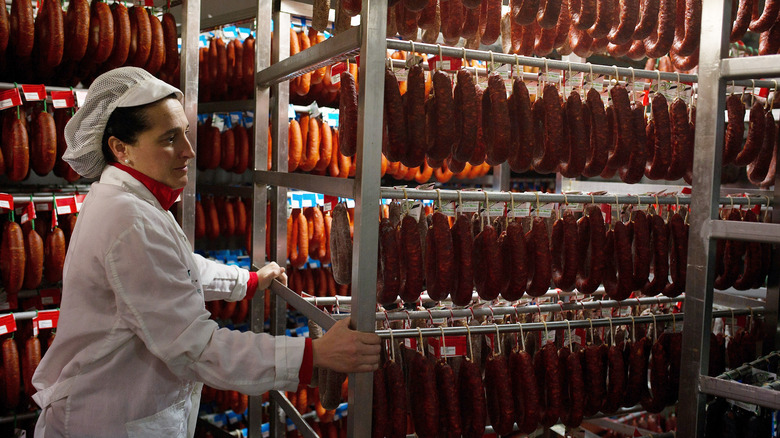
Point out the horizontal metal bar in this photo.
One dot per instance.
(554, 325)
(751, 231)
(243, 191)
(343, 187)
(733, 300)
(23, 199)
(511, 310)
(308, 309)
(19, 417)
(228, 18)
(739, 391)
(332, 50)
(746, 368)
(20, 316)
(454, 195)
(300, 424)
(336, 300)
(481, 55)
(750, 67)
(226, 106)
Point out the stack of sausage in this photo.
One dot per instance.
(230, 149)
(227, 71)
(532, 386)
(76, 45)
(317, 282)
(36, 145)
(315, 147)
(31, 256)
(222, 216)
(18, 366)
(760, 149)
(316, 85)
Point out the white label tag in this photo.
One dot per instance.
(31, 97)
(81, 97)
(335, 79)
(469, 207)
(413, 60)
(548, 337)
(45, 324)
(6, 103)
(545, 210)
(315, 110)
(416, 210)
(218, 123)
(444, 65)
(401, 74)
(448, 209)
(574, 208)
(574, 336)
(5, 204)
(497, 209)
(521, 210)
(3, 329)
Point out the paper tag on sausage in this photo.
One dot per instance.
(469, 207)
(449, 208)
(497, 209)
(521, 210)
(416, 210)
(62, 99)
(7, 324)
(414, 60)
(576, 337)
(401, 74)
(545, 210)
(10, 98)
(34, 92)
(548, 337)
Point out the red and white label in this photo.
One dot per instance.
(6, 201)
(34, 93)
(28, 213)
(46, 319)
(10, 98)
(7, 324)
(446, 63)
(63, 99)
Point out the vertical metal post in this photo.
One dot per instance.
(501, 174)
(773, 282)
(704, 208)
(373, 50)
(190, 30)
(279, 102)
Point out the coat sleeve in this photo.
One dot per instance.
(221, 282)
(159, 301)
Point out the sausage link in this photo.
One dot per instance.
(674, 351)
(521, 129)
(500, 404)
(548, 378)
(49, 36)
(626, 141)
(619, 287)
(636, 387)
(659, 379)
(12, 257)
(761, 171)
(33, 268)
(595, 367)
(495, 121)
(732, 256)
(453, 17)
(428, 16)
(617, 379)
(449, 409)
(538, 246)
(564, 252)
(735, 130)
(551, 114)
(351, 7)
(22, 28)
(348, 107)
(470, 23)
(466, 109)
(767, 18)
(489, 276)
(680, 130)
(525, 391)
(648, 13)
(679, 262)
(414, 112)
(547, 16)
(572, 166)
(606, 13)
(141, 39)
(43, 144)
(755, 135)
(590, 231)
(686, 37)
(583, 13)
(13, 377)
(493, 21)
(423, 398)
(515, 257)
(479, 151)
(572, 387)
(439, 270)
(396, 399)
(471, 392)
(661, 40)
(157, 53)
(658, 161)
(411, 251)
(623, 30)
(76, 28)
(462, 245)
(444, 112)
(54, 255)
(752, 265)
(633, 172)
(599, 146)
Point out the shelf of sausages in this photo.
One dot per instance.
(34, 257)
(450, 257)
(65, 47)
(527, 381)
(21, 354)
(227, 69)
(551, 133)
(33, 139)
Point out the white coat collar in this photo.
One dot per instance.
(117, 177)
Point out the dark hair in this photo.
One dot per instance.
(126, 123)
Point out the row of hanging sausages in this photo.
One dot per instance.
(17, 367)
(227, 70)
(77, 44)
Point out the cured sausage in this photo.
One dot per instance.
(655, 400)
(466, 108)
(500, 404)
(170, 41)
(30, 361)
(341, 246)
(33, 268)
(12, 257)
(564, 252)
(479, 151)
(572, 166)
(4, 30)
(395, 118)
(443, 111)
(538, 247)
(590, 232)
(617, 379)
(43, 145)
(493, 21)
(620, 287)
(658, 160)
(623, 30)
(547, 16)
(583, 13)
(13, 378)
(522, 128)
(548, 376)
(348, 107)
(439, 268)
(414, 113)
(633, 172)
(311, 140)
(495, 121)
(462, 246)
(423, 396)
(624, 126)
(636, 387)
(157, 53)
(516, 261)
(686, 37)
(678, 265)
(489, 276)
(755, 135)
(606, 12)
(22, 30)
(661, 40)
(389, 262)
(449, 408)
(16, 147)
(525, 391)
(227, 142)
(412, 260)
(141, 39)
(681, 137)
(733, 251)
(295, 139)
(599, 146)
(648, 13)
(735, 130)
(472, 399)
(54, 255)
(549, 110)
(49, 36)
(761, 169)
(595, 367)
(767, 18)
(660, 257)
(122, 35)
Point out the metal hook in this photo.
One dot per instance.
(465, 61)
(679, 85)
(546, 71)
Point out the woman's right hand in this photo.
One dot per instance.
(346, 350)
(268, 273)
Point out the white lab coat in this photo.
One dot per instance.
(134, 340)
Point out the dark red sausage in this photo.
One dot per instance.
(521, 121)
(524, 391)
(539, 248)
(489, 276)
(590, 231)
(515, 257)
(500, 403)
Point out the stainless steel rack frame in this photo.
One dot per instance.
(714, 72)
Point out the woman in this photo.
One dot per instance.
(134, 343)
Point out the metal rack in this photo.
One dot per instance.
(714, 71)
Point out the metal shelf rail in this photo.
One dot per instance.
(714, 71)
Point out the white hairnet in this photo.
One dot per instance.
(121, 87)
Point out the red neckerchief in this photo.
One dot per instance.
(164, 194)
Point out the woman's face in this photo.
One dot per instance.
(163, 151)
